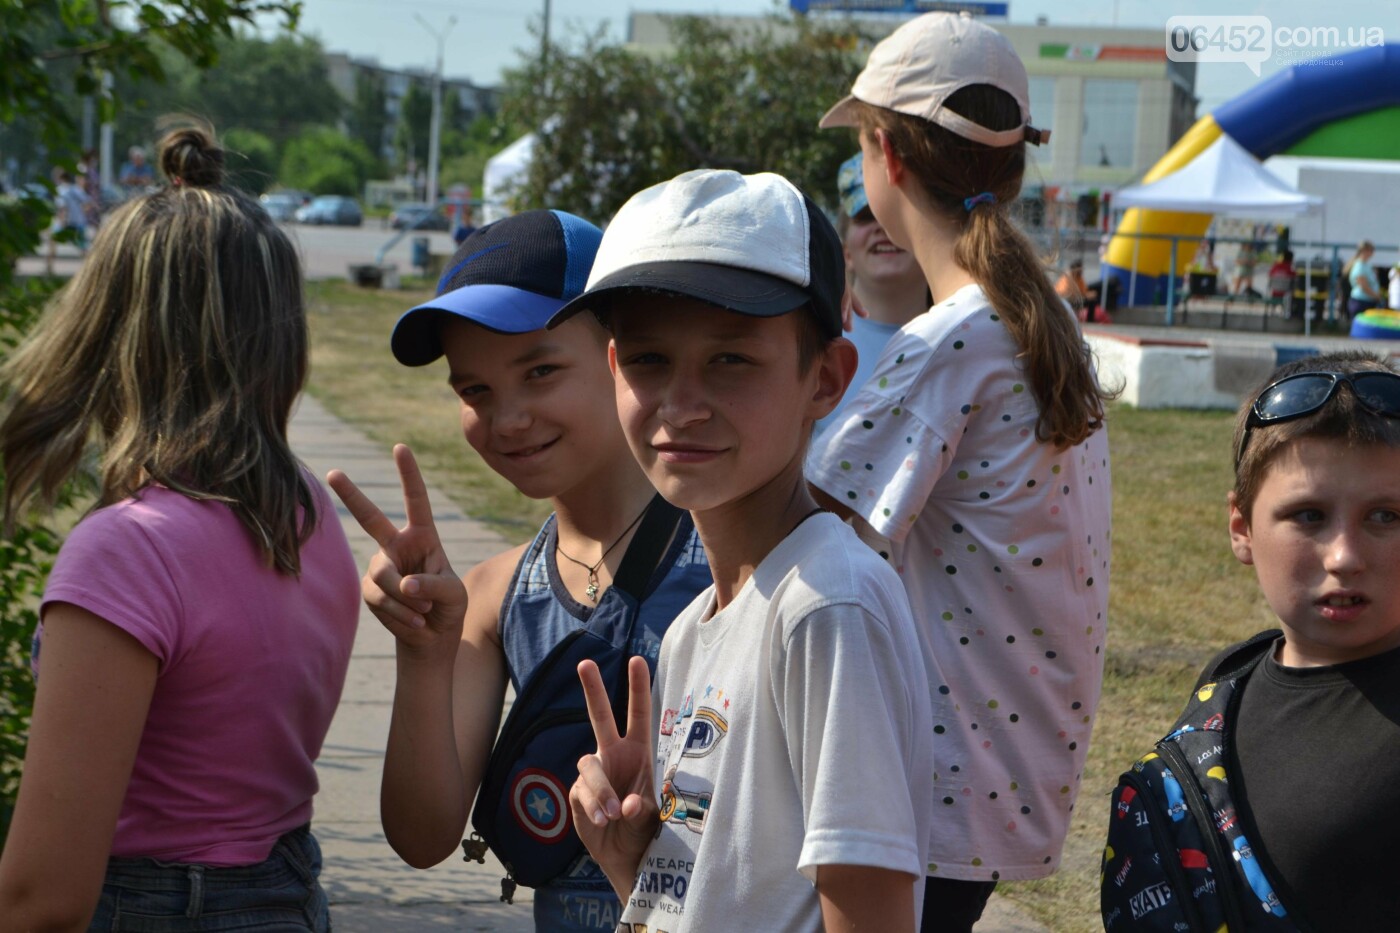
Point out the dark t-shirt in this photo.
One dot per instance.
(1319, 776)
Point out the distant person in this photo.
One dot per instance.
(886, 280)
(1082, 297)
(71, 206)
(538, 407)
(977, 456)
(1395, 287)
(1245, 261)
(1281, 275)
(1365, 291)
(136, 174)
(197, 625)
(462, 225)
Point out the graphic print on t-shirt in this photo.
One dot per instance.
(686, 735)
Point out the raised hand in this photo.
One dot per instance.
(410, 585)
(614, 801)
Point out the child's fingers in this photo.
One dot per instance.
(382, 579)
(415, 491)
(599, 708)
(638, 699)
(430, 589)
(364, 511)
(592, 797)
(389, 611)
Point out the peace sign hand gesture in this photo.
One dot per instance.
(410, 585)
(613, 801)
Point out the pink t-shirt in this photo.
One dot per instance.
(252, 662)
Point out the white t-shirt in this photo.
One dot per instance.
(1003, 545)
(792, 733)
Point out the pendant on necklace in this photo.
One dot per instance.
(592, 590)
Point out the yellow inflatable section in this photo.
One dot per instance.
(1154, 256)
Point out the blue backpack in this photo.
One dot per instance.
(522, 808)
(1179, 856)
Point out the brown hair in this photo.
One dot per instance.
(1341, 420)
(179, 348)
(950, 169)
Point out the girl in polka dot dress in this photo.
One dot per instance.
(977, 455)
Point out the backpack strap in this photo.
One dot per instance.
(648, 544)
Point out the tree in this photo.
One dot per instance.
(367, 119)
(465, 153)
(251, 160)
(611, 122)
(324, 161)
(55, 51)
(415, 122)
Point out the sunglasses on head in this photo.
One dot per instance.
(1304, 393)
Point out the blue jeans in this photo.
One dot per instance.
(144, 895)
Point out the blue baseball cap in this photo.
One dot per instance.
(510, 276)
(850, 184)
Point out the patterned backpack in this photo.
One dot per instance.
(1178, 856)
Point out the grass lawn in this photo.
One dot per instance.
(1176, 594)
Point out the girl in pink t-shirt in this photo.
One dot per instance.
(197, 625)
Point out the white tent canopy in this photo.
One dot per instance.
(504, 172)
(1224, 179)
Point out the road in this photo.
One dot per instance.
(327, 252)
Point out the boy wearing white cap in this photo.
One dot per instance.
(789, 744)
(977, 452)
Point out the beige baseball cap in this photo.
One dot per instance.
(916, 68)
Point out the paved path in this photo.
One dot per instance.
(370, 889)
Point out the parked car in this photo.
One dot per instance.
(281, 205)
(332, 209)
(416, 216)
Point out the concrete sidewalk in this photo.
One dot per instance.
(370, 888)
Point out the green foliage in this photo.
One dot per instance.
(250, 159)
(611, 122)
(54, 52)
(411, 135)
(465, 153)
(366, 118)
(323, 161)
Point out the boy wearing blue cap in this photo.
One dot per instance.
(885, 279)
(789, 746)
(538, 407)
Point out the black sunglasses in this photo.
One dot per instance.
(1304, 393)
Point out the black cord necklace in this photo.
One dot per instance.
(592, 589)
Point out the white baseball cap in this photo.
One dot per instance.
(916, 68)
(754, 244)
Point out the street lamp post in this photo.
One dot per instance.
(435, 125)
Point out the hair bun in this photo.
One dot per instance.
(190, 156)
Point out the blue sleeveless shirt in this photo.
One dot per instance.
(537, 613)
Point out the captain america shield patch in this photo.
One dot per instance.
(540, 805)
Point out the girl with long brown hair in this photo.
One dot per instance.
(977, 454)
(197, 624)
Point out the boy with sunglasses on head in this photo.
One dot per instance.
(789, 742)
(1316, 511)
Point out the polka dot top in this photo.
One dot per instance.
(1003, 545)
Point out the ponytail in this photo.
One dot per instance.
(974, 185)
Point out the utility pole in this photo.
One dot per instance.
(435, 126)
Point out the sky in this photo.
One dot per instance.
(489, 35)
